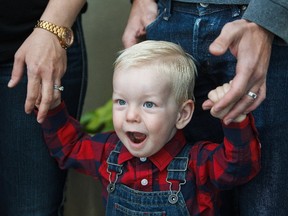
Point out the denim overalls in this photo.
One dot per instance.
(123, 200)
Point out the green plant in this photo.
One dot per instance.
(98, 120)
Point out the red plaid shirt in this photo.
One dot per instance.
(212, 167)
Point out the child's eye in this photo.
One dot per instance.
(148, 104)
(121, 102)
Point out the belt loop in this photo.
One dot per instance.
(236, 11)
(167, 10)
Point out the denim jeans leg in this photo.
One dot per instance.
(267, 194)
(30, 181)
(31, 184)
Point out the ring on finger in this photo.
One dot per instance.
(252, 95)
(59, 88)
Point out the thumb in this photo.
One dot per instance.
(221, 44)
(218, 46)
(208, 104)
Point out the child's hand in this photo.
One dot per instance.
(214, 96)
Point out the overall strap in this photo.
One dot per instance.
(113, 166)
(177, 171)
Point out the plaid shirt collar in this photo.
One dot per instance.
(163, 157)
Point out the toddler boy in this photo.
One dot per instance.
(146, 166)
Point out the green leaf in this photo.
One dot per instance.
(99, 120)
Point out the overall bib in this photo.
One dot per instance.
(123, 200)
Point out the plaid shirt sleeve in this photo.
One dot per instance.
(234, 162)
(71, 147)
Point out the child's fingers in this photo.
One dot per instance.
(222, 90)
(226, 87)
(218, 93)
(213, 96)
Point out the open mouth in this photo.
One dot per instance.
(136, 137)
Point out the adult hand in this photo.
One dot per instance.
(46, 63)
(251, 45)
(143, 12)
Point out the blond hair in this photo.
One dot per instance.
(165, 57)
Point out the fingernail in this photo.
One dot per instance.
(217, 48)
(227, 122)
(10, 83)
(39, 120)
(205, 107)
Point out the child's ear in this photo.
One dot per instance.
(185, 114)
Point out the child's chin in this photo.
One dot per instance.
(138, 154)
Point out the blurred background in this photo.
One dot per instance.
(103, 23)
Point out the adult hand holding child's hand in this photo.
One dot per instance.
(214, 96)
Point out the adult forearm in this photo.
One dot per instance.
(62, 12)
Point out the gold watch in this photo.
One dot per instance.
(64, 34)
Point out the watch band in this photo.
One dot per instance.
(55, 29)
(49, 26)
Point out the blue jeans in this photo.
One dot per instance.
(31, 184)
(194, 28)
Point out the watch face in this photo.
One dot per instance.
(67, 37)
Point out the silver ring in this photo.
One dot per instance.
(59, 88)
(252, 95)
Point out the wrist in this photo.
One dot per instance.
(64, 34)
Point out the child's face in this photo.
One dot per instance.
(144, 110)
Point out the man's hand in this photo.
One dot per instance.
(46, 63)
(251, 45)
(216, 95)
(143, 12)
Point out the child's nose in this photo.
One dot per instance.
(133, 115)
